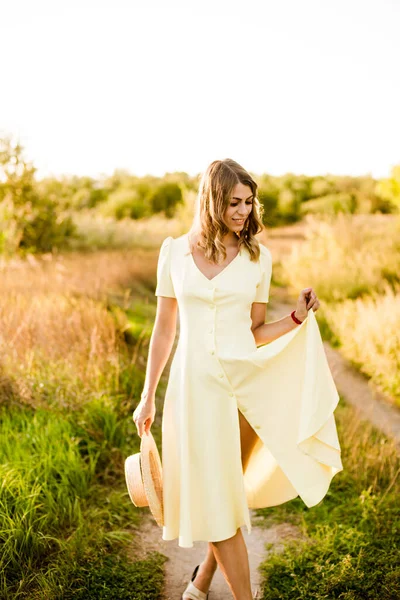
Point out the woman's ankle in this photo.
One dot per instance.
(204, 577)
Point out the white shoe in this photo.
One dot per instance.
(192, 592)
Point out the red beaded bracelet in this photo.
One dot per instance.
(295, 319)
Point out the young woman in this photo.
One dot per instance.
(248, 411)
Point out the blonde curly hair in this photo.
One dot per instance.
(214, 196)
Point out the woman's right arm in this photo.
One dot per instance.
(161, 343)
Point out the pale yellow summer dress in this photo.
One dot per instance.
(285, 390)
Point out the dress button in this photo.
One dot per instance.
(221, 375)
(212, 306)
(257, 426)
(231, 394)
(212, 352)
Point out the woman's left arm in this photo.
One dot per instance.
(267, 332)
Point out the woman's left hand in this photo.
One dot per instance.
(306, 300)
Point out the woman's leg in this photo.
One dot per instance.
(206, 570)
(233, 560)
(231, 555)
(248, 439)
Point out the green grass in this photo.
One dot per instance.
(66, 519)
(114, 576)
(352, 547)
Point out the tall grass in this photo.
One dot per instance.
(54, 347)
(369, 333)
(353, 264)
(44, 480)
(348, 257)
(97, 275)
(69, 380)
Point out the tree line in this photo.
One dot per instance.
(38, 215)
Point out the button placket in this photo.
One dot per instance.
(211, 328)
(211, 333)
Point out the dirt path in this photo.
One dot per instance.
(368, 402)
(181, 561)
(178, 569)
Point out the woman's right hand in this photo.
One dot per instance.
(143, 415)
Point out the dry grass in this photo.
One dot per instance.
(345, 258)
(369, 333)
(56, 343)
(59, 342)
(95, 274)
(353, 264)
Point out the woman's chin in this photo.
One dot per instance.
(237, 229)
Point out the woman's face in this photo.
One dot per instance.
(240, 207)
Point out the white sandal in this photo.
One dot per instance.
(192, 592)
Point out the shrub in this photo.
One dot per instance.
(29, 222)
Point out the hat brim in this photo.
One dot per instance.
(143, 473)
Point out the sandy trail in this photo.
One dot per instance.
(181, 561)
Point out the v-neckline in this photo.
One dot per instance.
(201, 272)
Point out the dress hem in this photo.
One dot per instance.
(181, 544)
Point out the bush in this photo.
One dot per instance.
(331, 204)
(389, 189)
(29, 222)
(165, 198)
(125, 203)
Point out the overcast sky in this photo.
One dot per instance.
(301, 86)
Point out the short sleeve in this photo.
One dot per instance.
(262, 289)
(164, 281)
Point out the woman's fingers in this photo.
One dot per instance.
(143, 417)
(310, 299)
(143, 425)
(314, 305)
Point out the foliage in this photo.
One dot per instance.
(389, 189)
(331, 204)
(165, 198)
(29, 222)
(125, 203)
(42, 216)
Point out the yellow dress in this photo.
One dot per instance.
(285, 390)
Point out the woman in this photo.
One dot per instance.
(248, 410)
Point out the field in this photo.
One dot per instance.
(75, 328)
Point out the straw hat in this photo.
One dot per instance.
(143, 474)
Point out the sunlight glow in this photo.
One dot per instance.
(303, 87)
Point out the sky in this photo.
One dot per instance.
(154, 86)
